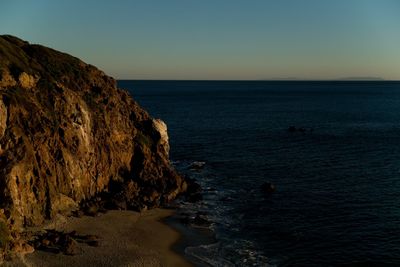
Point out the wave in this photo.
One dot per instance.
(212, 213)
(221, 254)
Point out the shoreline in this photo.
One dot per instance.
(189, 237)
(127, 238)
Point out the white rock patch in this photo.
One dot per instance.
(161, 128)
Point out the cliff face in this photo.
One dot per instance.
(67, 133)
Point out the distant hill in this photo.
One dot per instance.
(361, 79)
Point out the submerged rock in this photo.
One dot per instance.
(67, 135)
(197, 165)
(201, 221)
(268, 188)
(293, 129)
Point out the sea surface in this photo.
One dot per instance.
(337, 198)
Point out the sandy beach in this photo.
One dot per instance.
(127, 239)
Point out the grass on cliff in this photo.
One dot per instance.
(13, 57)
(4, 235)
(19, 56)
(144, 140)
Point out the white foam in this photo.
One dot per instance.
(209, 254)
(216, 254)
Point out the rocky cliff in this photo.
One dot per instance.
(68, 134)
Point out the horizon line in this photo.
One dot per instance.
(266, 80)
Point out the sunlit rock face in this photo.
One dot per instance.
(67, 133)
(161, 128)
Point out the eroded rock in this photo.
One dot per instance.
(161, 129)
(27, 81)
(6, 79)
(72, 136)
(3, 118)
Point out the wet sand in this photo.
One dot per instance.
(127, 239)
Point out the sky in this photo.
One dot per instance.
(217, 39)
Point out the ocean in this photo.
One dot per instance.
(337, 179)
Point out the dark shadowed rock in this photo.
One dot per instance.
(268, 188)
(93, 243)
(193, 191)
(71, 247)
(68, 243)
(45, 243)
(91, 210)
(201, 220)
(78, 213)
(90, 240)
(293, 129)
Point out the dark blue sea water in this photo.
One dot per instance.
(337, 201)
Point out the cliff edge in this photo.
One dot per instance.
(68, 135)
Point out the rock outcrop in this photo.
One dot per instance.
(68, 134)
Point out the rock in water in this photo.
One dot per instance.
(67, 133)
(197, 165)
(268, 188)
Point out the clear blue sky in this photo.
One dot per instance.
(217, 39)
